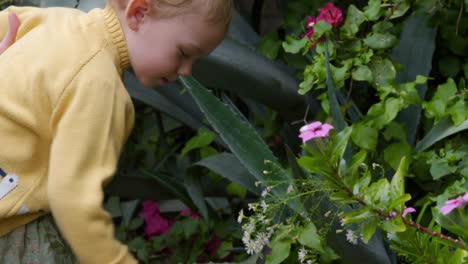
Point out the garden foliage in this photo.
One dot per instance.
(381, 178)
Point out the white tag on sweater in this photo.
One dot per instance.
(7, 184)
(22, 210)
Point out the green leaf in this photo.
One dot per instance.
(135, 223)
(378, 194)
(229, 167)
(354, 19)
(202, 139)
(372, 10)
(357, 216)
(294, 46)
(308, 237)
(416, 59)
(192, 184)
(441, 130)
(128, 209)
(395, 152)
(365, 136)
(321, 28)
(394, 130)
(297, 171)
(441, 168)
(381, 114)
(280, 250)
(269, 46)
(400, 9)
(362, 73)
(352, 175)
(236, 189)
(113, 206)
(382, 27)
(136, 244)
(449, 66)
(383, 70)
(397, 185)
(171, 184)
(380, 40)
(459, 111)
(242, 139)
(368, 229)
(394, 225)
(338, 118)
(338, 145)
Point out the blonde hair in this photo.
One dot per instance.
(216, 11)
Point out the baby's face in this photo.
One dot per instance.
(162, 49)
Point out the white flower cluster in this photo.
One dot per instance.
(255, 240)
(304, 257)
(351, 237)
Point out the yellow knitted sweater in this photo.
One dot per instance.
(64, 117)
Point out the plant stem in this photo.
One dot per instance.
(406, 222)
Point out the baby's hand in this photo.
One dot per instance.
(10, 36)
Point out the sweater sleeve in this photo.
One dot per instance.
(91, 121)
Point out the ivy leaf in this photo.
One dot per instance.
(380, 40)
(372, 10)
(354, 19)
(383, 70)
(365, 136)
(381, 114)
(202, 139)
(441, 168)
(458, 111)
(362, 73)
(269, 46)
(394, 130)
(321, 28)
(436, 108)
(292, 45)
(395, 152)
(382, 27)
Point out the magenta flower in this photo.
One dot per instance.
(458, 202)
(155, 224)
(189, 212)
(408, 210)
(330, 14)
(314, 130)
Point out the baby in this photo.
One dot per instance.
(65, 113)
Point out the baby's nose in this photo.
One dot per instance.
(185, 69)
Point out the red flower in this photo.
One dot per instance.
(330, 14)
(155, 224)
(189, 212)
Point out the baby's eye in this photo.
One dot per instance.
(183, 54)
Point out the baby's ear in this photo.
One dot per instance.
(136, 11)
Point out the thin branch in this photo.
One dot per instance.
(406, 222)
(459, 18)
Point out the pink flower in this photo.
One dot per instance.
(458, 202)
(189, 212)
(330, 14)
(408, 210)
(155, 224)
(311, 22)
(314, 130)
